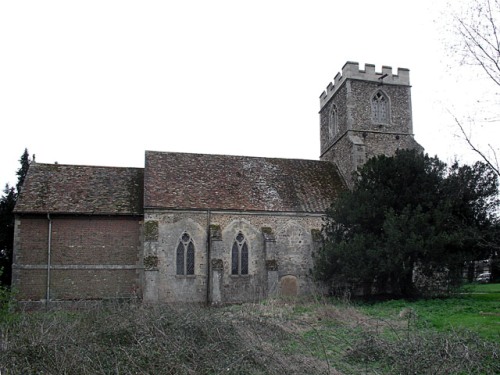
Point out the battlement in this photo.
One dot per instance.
(351, 70)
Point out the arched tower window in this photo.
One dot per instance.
(239, 256)
(185, 255)
(333, 122)
(380, 108)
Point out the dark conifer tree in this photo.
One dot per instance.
(7, 204)
(406, 212)
(23, 170)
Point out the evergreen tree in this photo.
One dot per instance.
(7, 204)
(406, 212)
(23, 170)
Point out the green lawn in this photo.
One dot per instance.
(475, 307)
(481, 288)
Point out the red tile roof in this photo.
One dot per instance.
(182, 181)
(200, 181)
(56, 188)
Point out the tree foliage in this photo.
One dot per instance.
(406, 212)
(23, 170)
(7, 204)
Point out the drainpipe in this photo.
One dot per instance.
(208, 256)
(49, 244)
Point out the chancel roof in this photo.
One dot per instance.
(74, 189)
(222, 182)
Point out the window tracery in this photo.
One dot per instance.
(185, 255)
(239, 256)
(380, 108)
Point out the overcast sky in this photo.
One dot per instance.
(99, 82)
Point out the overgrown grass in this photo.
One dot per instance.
(273, 337)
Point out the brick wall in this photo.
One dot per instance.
(32, 238)
(95, 241)
(93, 284)
(31, 284)
(91, 257)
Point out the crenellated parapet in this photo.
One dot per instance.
(351, 71)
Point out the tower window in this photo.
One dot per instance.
(333, 122)
(185, 255)
(380, 108)
(239, 256)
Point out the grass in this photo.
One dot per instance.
(482, 288)
(476, 307)
(314, 336)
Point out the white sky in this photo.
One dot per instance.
(99, 82)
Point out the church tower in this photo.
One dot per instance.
(364, 113)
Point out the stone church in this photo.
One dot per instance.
(203, 228)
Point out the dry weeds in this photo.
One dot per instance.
(273, 337)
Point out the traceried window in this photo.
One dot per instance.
(239, 256)
(333, 122)
(380, 108)
(185, 255)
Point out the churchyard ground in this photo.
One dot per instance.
(456, 335)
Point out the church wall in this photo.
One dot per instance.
(30, 284)
(289, 249)
(360, 96)
(239, 288)
(163, 232)
(340, 100)
(360, 137)
(95, 240)
(387, 144)
(68, 284)
(32, 244)
(90, 257)
(354, 111)
(346, 156)
(280, 247)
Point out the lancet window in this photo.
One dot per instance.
(333, 123)
(380, 108)
(239, 256)
(185, 255)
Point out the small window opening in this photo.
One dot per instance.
(333, 123)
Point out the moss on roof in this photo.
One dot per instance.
(201, 181)
(58, 188)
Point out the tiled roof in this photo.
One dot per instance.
(56, 188)
(199, 181)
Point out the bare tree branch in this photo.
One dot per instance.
(479, 37)
(467, 138)
(476, 45)
(494, 154)
(479, 43)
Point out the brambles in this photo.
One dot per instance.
(273, 337)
